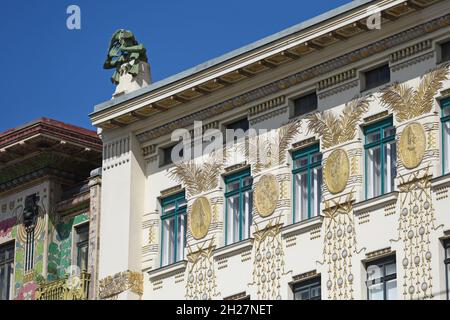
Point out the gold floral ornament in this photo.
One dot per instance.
(333, 129)
(197, 177)
(266, 195)
(408, 103)
(200, 217)
(412, 145)
(337, 170)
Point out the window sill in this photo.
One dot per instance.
(168, 270)
(441, 181)
(375, 203)
(233, 249)
(302, 226)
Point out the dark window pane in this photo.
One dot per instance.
(307, 290)
(377, 77)
(240, 124)
(445, 47)
(382, 279)
(305, 104)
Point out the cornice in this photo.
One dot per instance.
(288, 45)
(277, 86)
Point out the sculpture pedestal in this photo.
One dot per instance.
(129, 83)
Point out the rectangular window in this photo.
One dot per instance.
(305, 104)
(447, 267)
(242, 124)
(382, 279)
(82, 246)
(6, 270)
(307, 290)
(377, 77)
(445, 121)
(445, 51)
(307, 183)
(173, 235)
(380, 158)
(238, 207)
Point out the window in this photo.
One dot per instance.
(307, 290)
(445, 51)
(307, 183)
(380, 158)
(82, 246)
(6, 270)
(305, 104)
(173, 235)
(238, 208)
(447, 267)
(377, 77)
(240, 124)
(166, 155)
(445, 120)
(382, 279)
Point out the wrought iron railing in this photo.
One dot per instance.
(69, 288)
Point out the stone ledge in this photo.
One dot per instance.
(375, 203)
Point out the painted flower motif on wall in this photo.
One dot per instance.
(27, 291)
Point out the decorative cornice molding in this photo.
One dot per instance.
(302, 76)
(339, 89)
(305, 276)
(376, 117)
(268, 115)
(336, 79)
(410, 51)
(266, 106)
(413, 61)
(378, 253)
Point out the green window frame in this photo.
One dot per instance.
(173, 228)
(384, 133)
(238, 206)
(307, 162)
(308, 289)
(445, 127)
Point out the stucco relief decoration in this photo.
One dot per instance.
(268, 266)
(198, 177)
(415, 225)
(339, 246)
(267, 150)
(112, 286)
(201, 273)
(200, 217)
(407, 102)
(333, 129)
(266, 195)
(337, 171)
(412, 145)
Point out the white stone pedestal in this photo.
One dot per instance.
(128, 83)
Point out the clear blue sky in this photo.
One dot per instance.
(48, 70)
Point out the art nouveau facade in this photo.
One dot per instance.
(345, 198)
(49, 211)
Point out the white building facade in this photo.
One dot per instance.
(340, 193)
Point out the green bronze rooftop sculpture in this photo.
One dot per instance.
(125, 51)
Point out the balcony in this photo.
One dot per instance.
(75, 288)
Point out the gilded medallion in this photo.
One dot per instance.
(412, 145)
(266, 195)
(200, 217)
(336, 171)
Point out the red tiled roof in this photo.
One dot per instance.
(52, 127)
